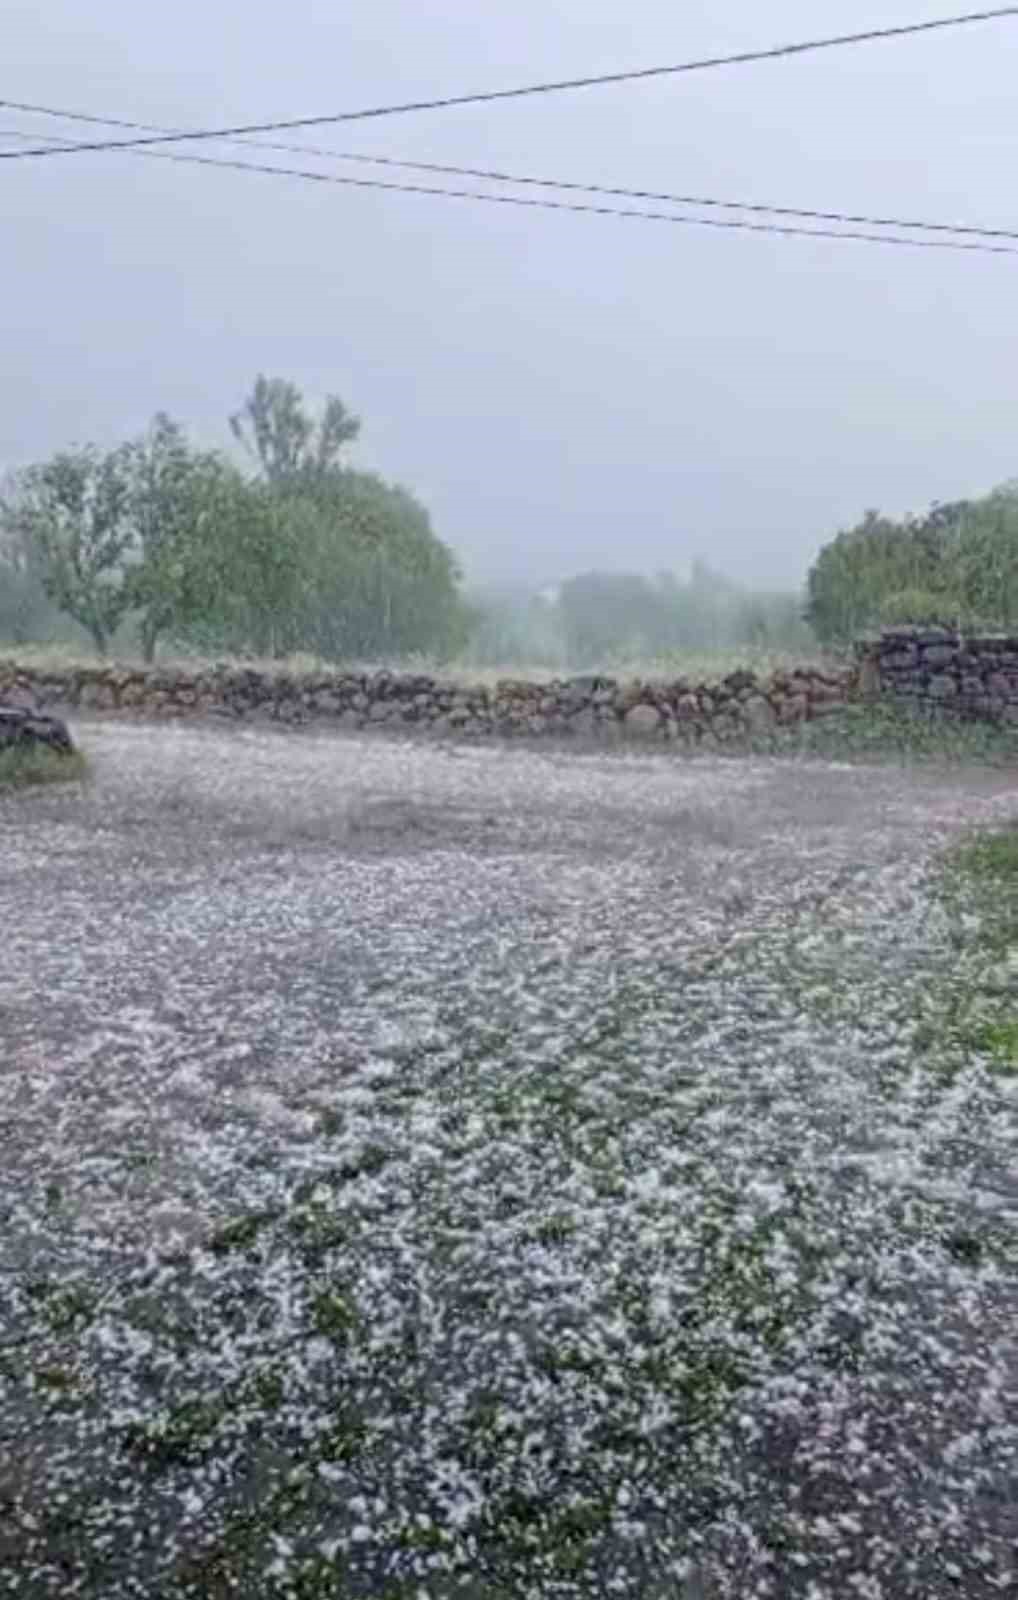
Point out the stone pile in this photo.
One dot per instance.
(24, 727)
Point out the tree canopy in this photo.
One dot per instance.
(178, 543)
(958, 563)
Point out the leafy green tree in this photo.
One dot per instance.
(376, 579)
(957, 563)
(74, 514)
(187, 506)
(305, 555)
(288, 445)
(854, 573)
(26, 613)
(357, 569)
(981, 558)
(908, 607)
(239, 588)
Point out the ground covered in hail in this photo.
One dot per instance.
(495, 1173)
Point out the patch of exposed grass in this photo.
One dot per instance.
(65, 1307)
(992, 856)
(239, 1234)
(332, 1315)
(184, 1433)
(884, 732)
(997, 1039)
(975, 1011)
(21, 768)
(981, 886)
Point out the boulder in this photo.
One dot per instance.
(943, 686)
(759, 714)
(643, 719)
(20, 697)
(22, 728)
(327, 702)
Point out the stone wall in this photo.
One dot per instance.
(735, 708)
(943, 672)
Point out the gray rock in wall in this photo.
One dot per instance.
(937, 669)
(643, 720)
(943, 686)
(727, 710)
(939, 655)
(759, 714)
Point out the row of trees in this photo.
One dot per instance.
(301, 552)
(597, 618)
(956, 564)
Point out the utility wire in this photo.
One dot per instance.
(727, 223)
(741, 58)
(491, 175)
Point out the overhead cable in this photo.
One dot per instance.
(543, 204)
(555, 86)
(497, 175)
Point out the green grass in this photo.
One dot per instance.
(991, 857)
(999, 1040)
(978, 1012)
(884, 732)
(694, 664)
(982, 879)
(22, 768)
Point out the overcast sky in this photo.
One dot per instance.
(562, 391)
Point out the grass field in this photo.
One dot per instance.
(704, 665)
(20, 768)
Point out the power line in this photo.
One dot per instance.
(741, 58)
(497, 176)
(726, 223)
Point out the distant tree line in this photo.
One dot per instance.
(599, 618)
(956, 564)
(181, 546)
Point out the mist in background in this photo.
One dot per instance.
(566, 395)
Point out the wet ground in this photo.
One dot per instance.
(435, 1170)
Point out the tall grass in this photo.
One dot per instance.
(24, 766)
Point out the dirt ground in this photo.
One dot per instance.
(486, 1171)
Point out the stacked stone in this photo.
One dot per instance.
(739, 706)
(940, 671)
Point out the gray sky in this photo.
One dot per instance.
(562, 391)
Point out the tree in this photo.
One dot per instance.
(375, 579)
(511, 623)
(192, 512)
(287, 444)
(74, 514)
(26, 613)
(957, 562)
(608, 615)
(982, 559)
(854, 573)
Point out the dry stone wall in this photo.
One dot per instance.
(735, 708)
(928, 669)
(943, 672)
